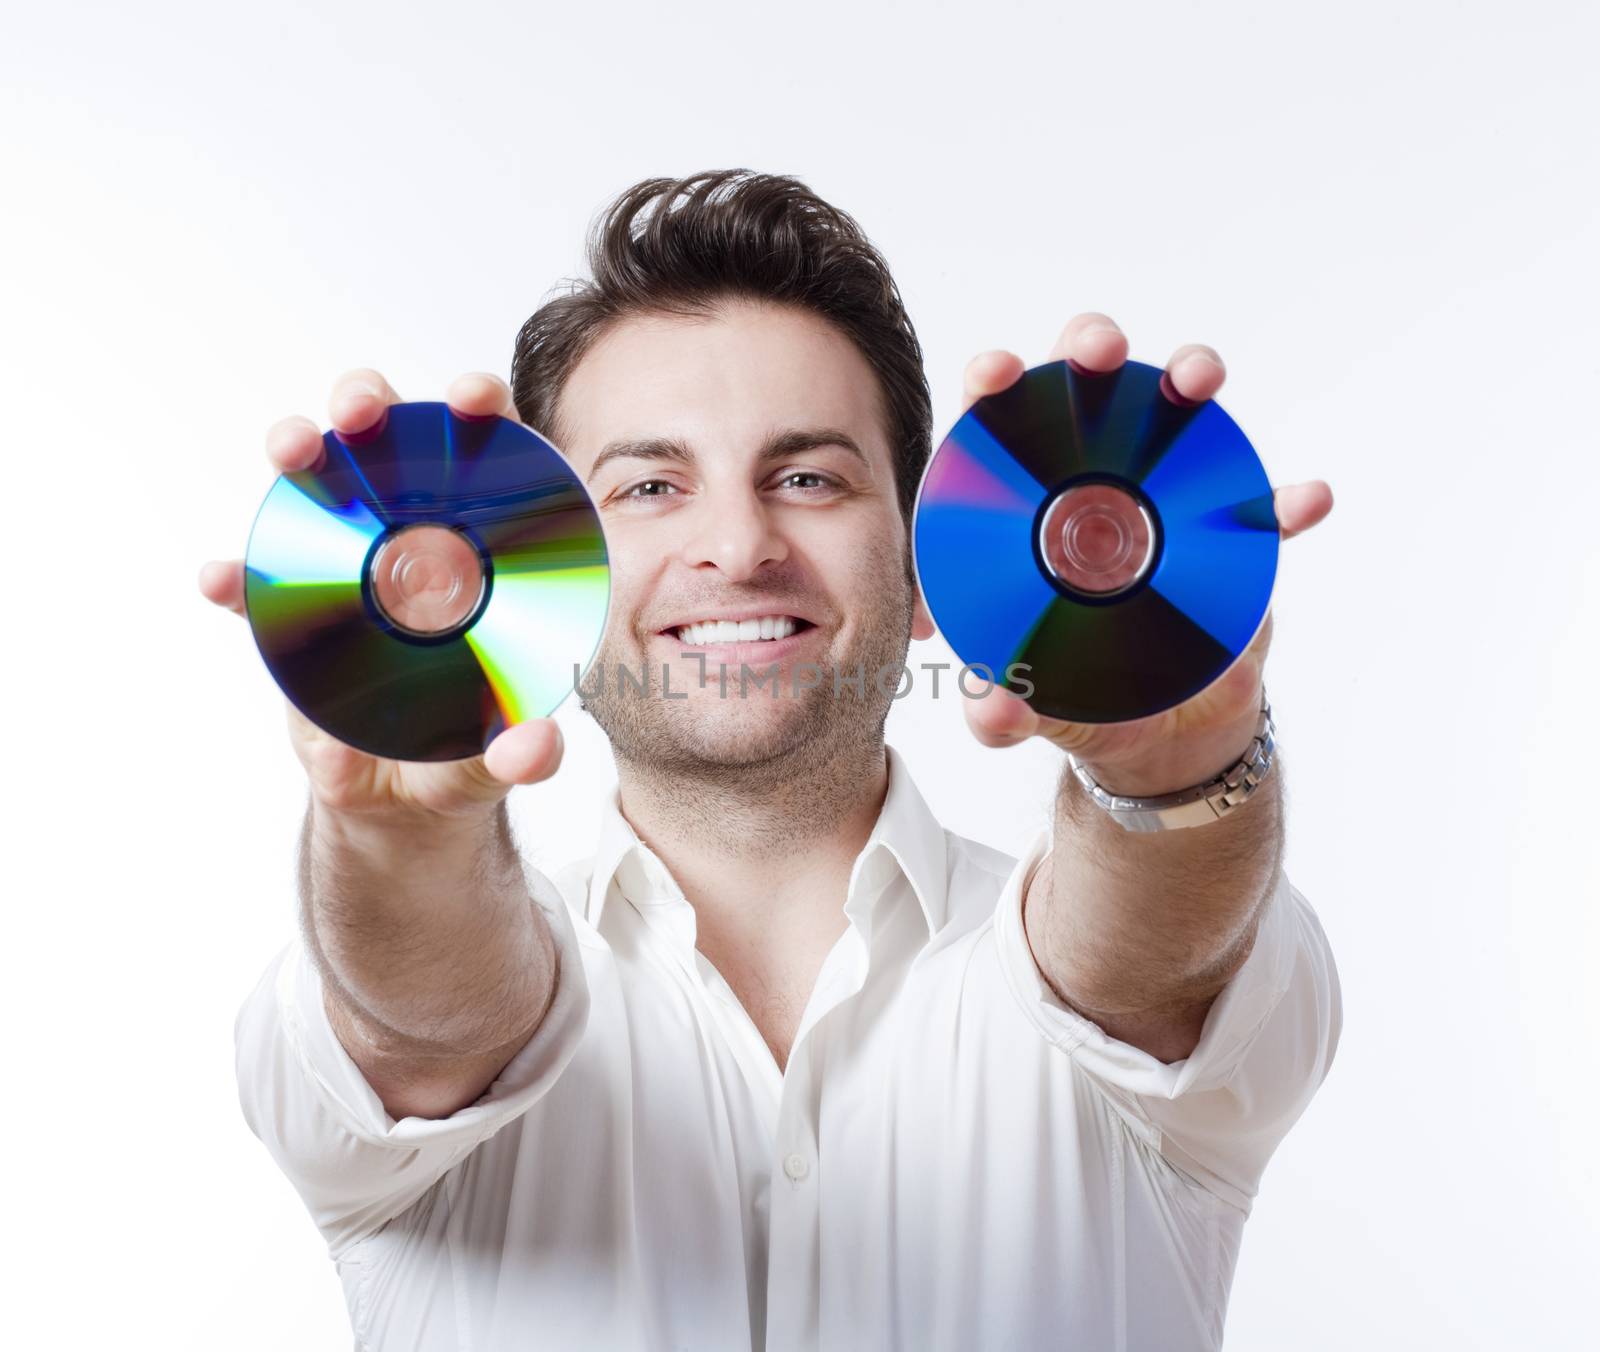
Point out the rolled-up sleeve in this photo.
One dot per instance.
(354, 1166)
(1268, 1040)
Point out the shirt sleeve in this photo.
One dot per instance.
(1268, 1040)
(354, 1166)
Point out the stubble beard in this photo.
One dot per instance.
(785, 753)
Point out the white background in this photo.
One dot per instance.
(1383, 215)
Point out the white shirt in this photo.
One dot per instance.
(952, 1158)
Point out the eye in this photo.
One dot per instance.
(648, 488)
(812, 480)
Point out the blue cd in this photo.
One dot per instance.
(1084, 533)
(433, 581)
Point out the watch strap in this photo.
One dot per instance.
(1197, 806)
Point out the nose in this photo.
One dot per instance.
(734, 532)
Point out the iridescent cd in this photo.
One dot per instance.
(1088, 535)
(434, 581)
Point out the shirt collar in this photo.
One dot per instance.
(906, 839)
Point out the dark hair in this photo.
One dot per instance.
(681, 246)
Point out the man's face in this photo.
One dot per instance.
(742, 470)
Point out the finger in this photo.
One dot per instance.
(1091, 342)
(359, 401)
(526, 752)
(294, 444)
(1194, 374)
(343, 779)
(222, 584)
(989, 373)
(1257, 651)
(1302, 506)
(1234, 695)
(1000, 718)
(480, 395)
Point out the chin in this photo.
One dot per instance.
(735, 731)
(706, 730)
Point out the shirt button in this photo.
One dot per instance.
(796, 1166)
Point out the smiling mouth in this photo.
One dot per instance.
(764, 628)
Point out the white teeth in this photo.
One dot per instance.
(703, 632)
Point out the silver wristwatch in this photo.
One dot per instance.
(1204, 803)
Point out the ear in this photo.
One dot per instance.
(922, 625)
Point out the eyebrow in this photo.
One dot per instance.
(778, 446)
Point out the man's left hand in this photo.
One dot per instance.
(1199, 738)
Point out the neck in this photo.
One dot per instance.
(763, 849)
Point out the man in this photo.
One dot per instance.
(784, 1065)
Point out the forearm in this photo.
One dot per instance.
(429, 940)
(1140, 930)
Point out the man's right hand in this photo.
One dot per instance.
(344, 781)
(437, 964)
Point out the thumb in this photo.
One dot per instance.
(524, 754)
(1001, 718)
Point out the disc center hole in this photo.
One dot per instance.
(1097, 538)
(426, 579)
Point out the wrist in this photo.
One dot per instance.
(1175, 767)
(1179, 762)
(396, 834)
(1200, 802)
